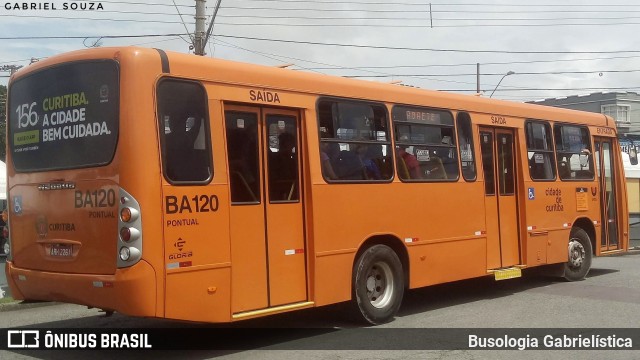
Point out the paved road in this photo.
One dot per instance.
(608, 298)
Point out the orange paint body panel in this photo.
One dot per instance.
(101, 291)
(293, 240)
(78, 227)
(249, 259)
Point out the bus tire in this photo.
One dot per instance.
(378, 284)
(580, 255)
(4, 247)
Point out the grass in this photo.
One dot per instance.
(6, 300)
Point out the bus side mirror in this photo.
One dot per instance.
(633, 156)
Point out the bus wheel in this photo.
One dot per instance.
(378, 284)
(4, 249)
(580, 254)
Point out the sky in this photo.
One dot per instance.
(554, 48)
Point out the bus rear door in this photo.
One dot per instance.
(498, 162)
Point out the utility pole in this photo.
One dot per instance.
(10, 68)
(198, 39)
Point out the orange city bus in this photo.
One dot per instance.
(168, 185)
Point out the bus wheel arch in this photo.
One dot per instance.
(580, 251)
(379, 279)
(587, 225)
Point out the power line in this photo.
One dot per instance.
(500, 74)
(556, 11)
(142, 3)
(436, 4)
(425, 49)
(321, 10)
(425, 10)
(93, 19)
(15, 61)
(636, 88)
(267, 55)
(138, 12)
(424, 18)
(474, 64)
(84, 37)
(314, 62)
(339, 2)
(428, 26)
(341, 45)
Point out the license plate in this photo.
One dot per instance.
(60, 250)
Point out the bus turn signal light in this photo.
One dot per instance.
(125, 214)
(128, 214)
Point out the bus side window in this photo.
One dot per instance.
(540, 152)
(183, 125)
(426, 147)
(573, 151)
(465, 142)
(354, 141)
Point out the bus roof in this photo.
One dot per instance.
(260, 76)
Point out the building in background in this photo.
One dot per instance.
(624, 108)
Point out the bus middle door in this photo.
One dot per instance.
(266, 214)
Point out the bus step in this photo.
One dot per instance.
(507, 273)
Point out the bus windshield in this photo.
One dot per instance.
(64, 117)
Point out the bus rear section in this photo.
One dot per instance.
(75, 233)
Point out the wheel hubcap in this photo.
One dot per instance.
(576, 253)
(379, 285)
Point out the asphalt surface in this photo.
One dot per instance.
(608, 298)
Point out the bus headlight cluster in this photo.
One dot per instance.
(130, 231)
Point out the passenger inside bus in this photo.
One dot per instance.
(409, 162)
(371, 170)
(328, 153)
(348, 165)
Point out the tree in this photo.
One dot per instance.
(3, 122)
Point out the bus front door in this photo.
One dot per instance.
(606, 181)
(498, 163)
(266, 216)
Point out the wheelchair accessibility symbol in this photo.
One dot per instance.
(532, 194)
(17, 205)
